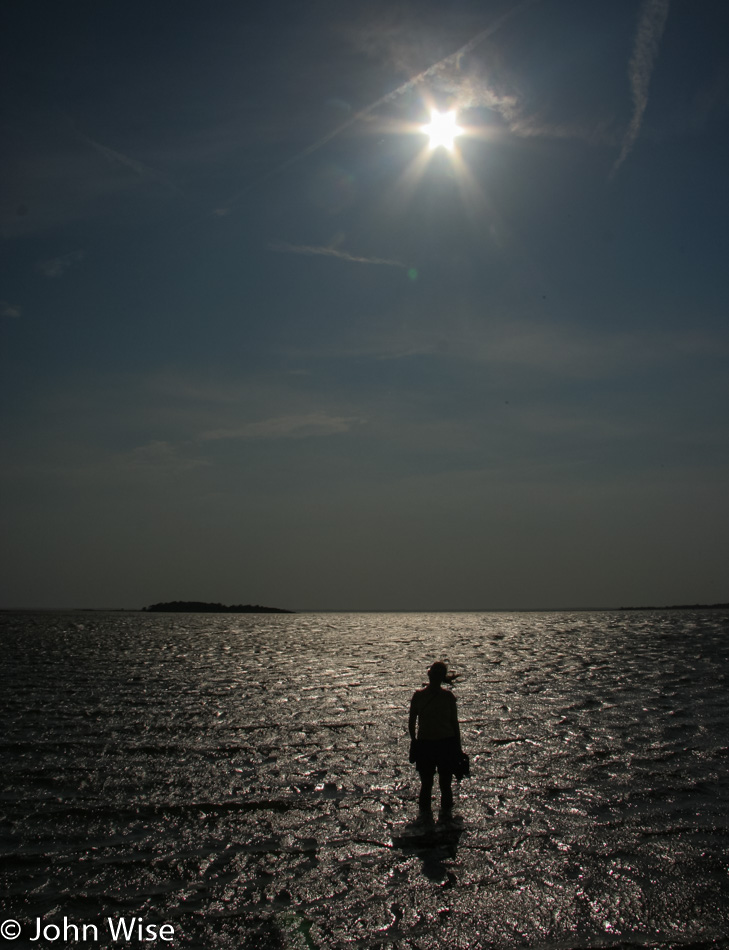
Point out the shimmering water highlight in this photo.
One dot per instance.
(246, 778)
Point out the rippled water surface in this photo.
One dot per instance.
(245, 778)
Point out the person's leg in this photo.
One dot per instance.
(445, 780)
(427, 774)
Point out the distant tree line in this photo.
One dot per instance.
(199, 606)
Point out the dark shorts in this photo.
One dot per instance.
(440, 754)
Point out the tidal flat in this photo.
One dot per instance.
(245, 779)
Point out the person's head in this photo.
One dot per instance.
(438, 673)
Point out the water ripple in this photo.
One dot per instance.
(246, 778)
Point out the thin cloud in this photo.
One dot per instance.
(118, 158)
(286, 427)
(429, 73)
(9, 309)
(597, 132)
(157, 457)
(57, 266)
(332, 252)
(648, 35)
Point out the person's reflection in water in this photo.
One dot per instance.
(435, 737)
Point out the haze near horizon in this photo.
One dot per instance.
(265, 340)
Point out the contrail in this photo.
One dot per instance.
(144, 171)
(333, 252)
(651, 24)
(388, 97)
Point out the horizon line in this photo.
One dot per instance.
(378, 610)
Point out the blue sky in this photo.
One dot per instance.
(261, 344)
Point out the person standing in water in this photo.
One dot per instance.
(435, 736)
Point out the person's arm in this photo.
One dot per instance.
(412, 719)
(411, 728)
(456, 724)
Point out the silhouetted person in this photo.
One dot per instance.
(437, 743)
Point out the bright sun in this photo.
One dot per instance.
(442, 129)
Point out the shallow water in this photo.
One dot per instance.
(245, 778)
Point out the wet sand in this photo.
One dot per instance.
(245, 778)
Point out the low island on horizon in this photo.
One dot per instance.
(197, 606)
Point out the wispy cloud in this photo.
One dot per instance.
(57, 266)
(481, 82)
(532, 352)
(425, 75)
(593, 132)
(443, 65)
(651, 23)
(475, 91)
(287, 427)
(118, 158)
(332, 252)
(9, 309)
(156, 458)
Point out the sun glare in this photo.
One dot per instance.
(442, 129)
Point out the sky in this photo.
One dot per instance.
(262, 344)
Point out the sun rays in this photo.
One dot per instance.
(440, 156)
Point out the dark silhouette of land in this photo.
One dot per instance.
(198, 606)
